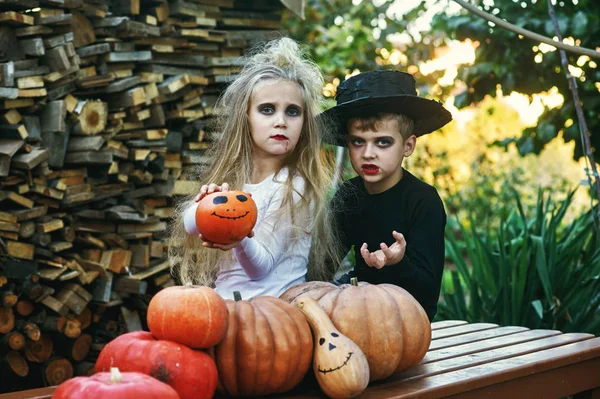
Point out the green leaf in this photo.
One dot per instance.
(579, 23)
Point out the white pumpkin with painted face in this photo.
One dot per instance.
(340, 366)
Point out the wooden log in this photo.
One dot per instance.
(39, 351)
(8, 298)
(85, 318)
(92, 117)
(76, 349)
(14, 340)
(56, 370)
(27, 229)
(24, 307)
(30, 289)
(7, 320)
(20, 250)
(31, 330)
(8, 148)
(53, 117)
(30, 160)
(16, 363)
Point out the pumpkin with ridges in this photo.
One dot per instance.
(267, 348)
(114, 385)
(384, 320)
(192, 373)
(194, 316)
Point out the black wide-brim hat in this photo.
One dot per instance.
(386, 91)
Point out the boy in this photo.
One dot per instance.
(394, 220)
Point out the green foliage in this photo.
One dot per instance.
(504, 59)
(473, 176)
(534, 271)
(342, 37)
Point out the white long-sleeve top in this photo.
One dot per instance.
(276, 257)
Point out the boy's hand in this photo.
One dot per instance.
(385, 256)
(222, 247)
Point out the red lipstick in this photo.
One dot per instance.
(370, 169)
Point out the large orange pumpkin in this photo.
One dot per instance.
(225, 217)
(384, 320)
(194, 316)
(267, 349)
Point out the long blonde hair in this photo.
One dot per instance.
(232, 162)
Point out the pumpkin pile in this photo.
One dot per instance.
(184, 322)
(385, 321)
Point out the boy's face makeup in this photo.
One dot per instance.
(377, 155)
(276, 116)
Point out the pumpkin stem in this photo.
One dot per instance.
(237, 296)
(188, 285)
(115, 375)
(354, 281)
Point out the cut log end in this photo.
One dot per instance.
(17, 363)
(57, 371)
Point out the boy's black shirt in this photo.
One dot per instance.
(411, 207)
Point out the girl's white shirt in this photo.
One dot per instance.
(276, 258)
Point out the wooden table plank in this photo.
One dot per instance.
(492, 355)
(492, 343)
(438, 325)
(459, 330)
(477, 377)
(474, 336)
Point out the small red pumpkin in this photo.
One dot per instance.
(192, 373)
(114, 385)
(225, 217)
(194, 316)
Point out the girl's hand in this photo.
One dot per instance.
(209, 189)
(385, 256)
(222, 247)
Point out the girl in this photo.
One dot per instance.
(270, 147)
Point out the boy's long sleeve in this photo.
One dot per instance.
(412, 208)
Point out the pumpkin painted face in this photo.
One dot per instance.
(226, 217)
(331, 346)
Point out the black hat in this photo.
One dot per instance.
(371, 93)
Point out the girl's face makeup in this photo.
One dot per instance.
(276, 116)
(377, 155)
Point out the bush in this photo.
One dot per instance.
(536, 271)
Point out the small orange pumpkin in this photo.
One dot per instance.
(194, 316)
(225, 217)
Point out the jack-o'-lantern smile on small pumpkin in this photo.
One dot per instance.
(225, 217)
(223, 199)
(332, 346)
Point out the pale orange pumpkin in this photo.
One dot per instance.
(267, 348)
(341, 368)
(384, 320)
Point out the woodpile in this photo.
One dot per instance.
(103, 110)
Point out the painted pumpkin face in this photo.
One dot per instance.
(342, 355)
(225, 217)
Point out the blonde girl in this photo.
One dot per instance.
(270, 147)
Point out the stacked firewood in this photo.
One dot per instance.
(104, 107)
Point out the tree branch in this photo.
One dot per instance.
(583, 129)
(527, 33)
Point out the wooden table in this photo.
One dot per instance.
(482, 360)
